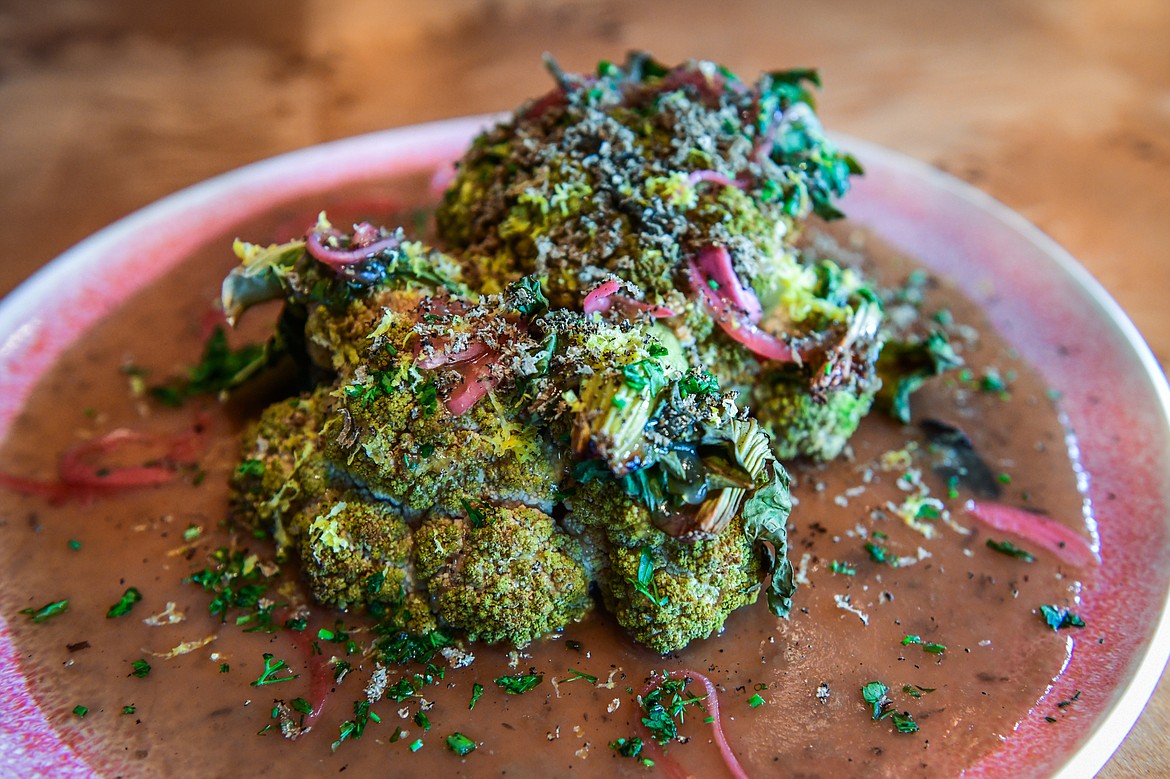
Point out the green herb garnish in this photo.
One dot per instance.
(355, 727)
(574, 675)
(48, 611)
(665, 703)
(80, 710)
(520, 683)
(476, 692)
(271, 667)
(875, 694)
(141, 668)
(878, 554)
(645, 583)
(460, 744)
(1058, 618)
(1010, 549)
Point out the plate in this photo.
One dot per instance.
(1042, 302)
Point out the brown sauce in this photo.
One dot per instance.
(192, 719)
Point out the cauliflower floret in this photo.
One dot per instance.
(356, 550)
(282, 469)
(803, 427)
(666, 592)
(502, 573)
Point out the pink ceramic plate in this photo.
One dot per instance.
(1046, 305)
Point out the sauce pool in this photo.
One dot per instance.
(196, 714)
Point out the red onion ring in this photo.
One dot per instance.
(341, 258)
(1038, 529)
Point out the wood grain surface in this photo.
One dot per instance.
(1059, 108)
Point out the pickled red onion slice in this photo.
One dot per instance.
(736, 308)
(341, 258)
(442, 358)
(1038, 529)
(603, 297)
(477, 382)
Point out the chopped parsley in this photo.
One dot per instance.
(460, 744)
(422, 721)
(250, 468)
(80, 711)
(903, 722)
(574, 675)
(416, 745)
(631, 747)
(236, 582)
(1058, 618)
(338, 635)
(934, 649)
(272, 666)
(842, 568)
(879, 554)
(141, 668)
(74, 544)
(129, 709)
(914, 691)
(645, 374)
(48, 611)
(876, 695)
(698, 383)
(354, 728)
(427, 396)
(520, 683)
(409, 686)
(666, 703)
(1010, 549)
(192, 532)
(755, 701)
(220, 369)
(476, 693)
(125, 603)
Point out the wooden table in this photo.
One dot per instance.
(1060, 108)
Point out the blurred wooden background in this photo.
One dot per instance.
(1060, 108)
